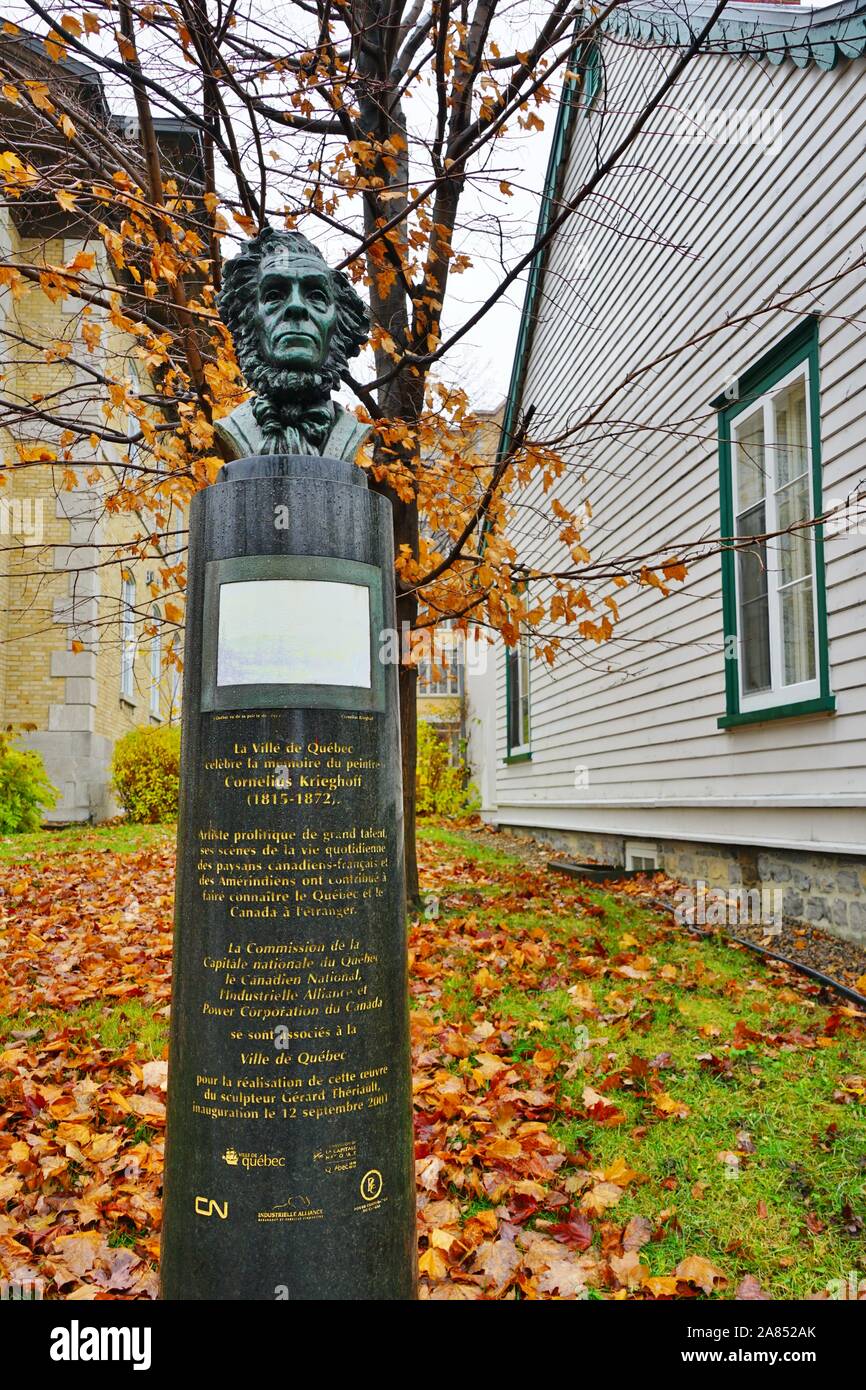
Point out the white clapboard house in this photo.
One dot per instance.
(701, 327)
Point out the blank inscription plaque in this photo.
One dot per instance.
(294, 632)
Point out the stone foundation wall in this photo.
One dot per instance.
(820, 890)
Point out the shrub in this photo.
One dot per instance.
(441, 787)
(145, 770)
(25, 790)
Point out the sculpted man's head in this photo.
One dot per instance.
(294, 321)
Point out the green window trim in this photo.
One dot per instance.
(822, 705)
(798, 347)
(517, 752)
(569, 106)
(593, 76)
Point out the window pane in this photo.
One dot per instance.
(512, 687)
(772, 487)
(524, 666)
(798, 633)
(751, 468)
(518, 694)
(446, 680)
(175, 681)
(524, 690)
(795, 550)
(755, 646)
(127, 639)
(792, 454)
(155, 672)
(754, 607)
(753, 561)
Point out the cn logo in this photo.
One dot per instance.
(206, 1206)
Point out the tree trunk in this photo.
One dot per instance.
(402, 399)
(409, 747)
(406, 533)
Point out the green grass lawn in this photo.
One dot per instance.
(115, 838)
(106, 1025)
(766, 1172)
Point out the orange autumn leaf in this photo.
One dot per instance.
(674, 569)
(695, 1269)
(668, 1106)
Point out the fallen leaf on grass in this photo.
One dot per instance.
(749, 1290)
(666, 1105)
(497, 1261)
(629, 1271)
(695, 1269)
(574, 1230)
(600, 1198)
(637, 1233)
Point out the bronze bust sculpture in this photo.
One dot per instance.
(295, 324)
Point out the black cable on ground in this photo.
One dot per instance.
(826, 980)
(809, 970)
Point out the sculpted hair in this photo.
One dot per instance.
(237, 307)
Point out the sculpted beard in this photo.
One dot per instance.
(285, 383)
(292, 406)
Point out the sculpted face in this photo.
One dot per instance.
(296, 311)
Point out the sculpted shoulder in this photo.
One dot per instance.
(241, 436)
(238, 432)
(347, 436)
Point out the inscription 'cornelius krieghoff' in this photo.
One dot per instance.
(289, 1157)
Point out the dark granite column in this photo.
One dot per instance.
(289, 1155)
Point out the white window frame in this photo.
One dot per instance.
(156, 666)
(175, 685)
(521, 665)
(777, 694)
(641, 849)
(127, 639)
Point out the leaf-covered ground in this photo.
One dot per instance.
(605, 1107)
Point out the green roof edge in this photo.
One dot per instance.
(773, 31)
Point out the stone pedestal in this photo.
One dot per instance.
(289, 1154)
